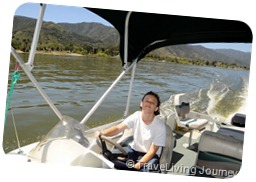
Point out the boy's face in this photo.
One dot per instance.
(149, 104)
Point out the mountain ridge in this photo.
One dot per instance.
(91, 38)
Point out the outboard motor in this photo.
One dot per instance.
(238, 120)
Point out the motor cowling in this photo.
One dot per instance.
(238, 120)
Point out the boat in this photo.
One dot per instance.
(197, 144)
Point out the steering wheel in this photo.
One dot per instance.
(107, 153)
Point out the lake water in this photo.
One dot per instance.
(75, 83)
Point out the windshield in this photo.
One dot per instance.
(67, 128)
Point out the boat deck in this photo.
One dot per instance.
(183, 158)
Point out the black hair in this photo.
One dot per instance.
(158, 100)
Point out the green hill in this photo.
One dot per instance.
(94, 38)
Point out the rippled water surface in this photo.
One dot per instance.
(75, 83)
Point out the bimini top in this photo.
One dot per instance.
(148, 31)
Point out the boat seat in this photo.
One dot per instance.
(220, 152)
(171, 122)
(167, 150)
(182, 108)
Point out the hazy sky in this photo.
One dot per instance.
(72, 14)
(59, 13)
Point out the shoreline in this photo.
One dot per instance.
(63, 53)
(57, 53)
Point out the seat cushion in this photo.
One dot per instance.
(222, 144)
(220, 152)
(194, 123)
(166, 155)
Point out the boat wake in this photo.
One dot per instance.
(226, 99)
(221, 100)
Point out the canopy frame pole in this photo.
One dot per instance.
(126, 68)
(30, 63)
(130, 90)
(98, 103)
(126, 28)
(27, 67)
(33, 80)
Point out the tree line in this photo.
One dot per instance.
(24, 44)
